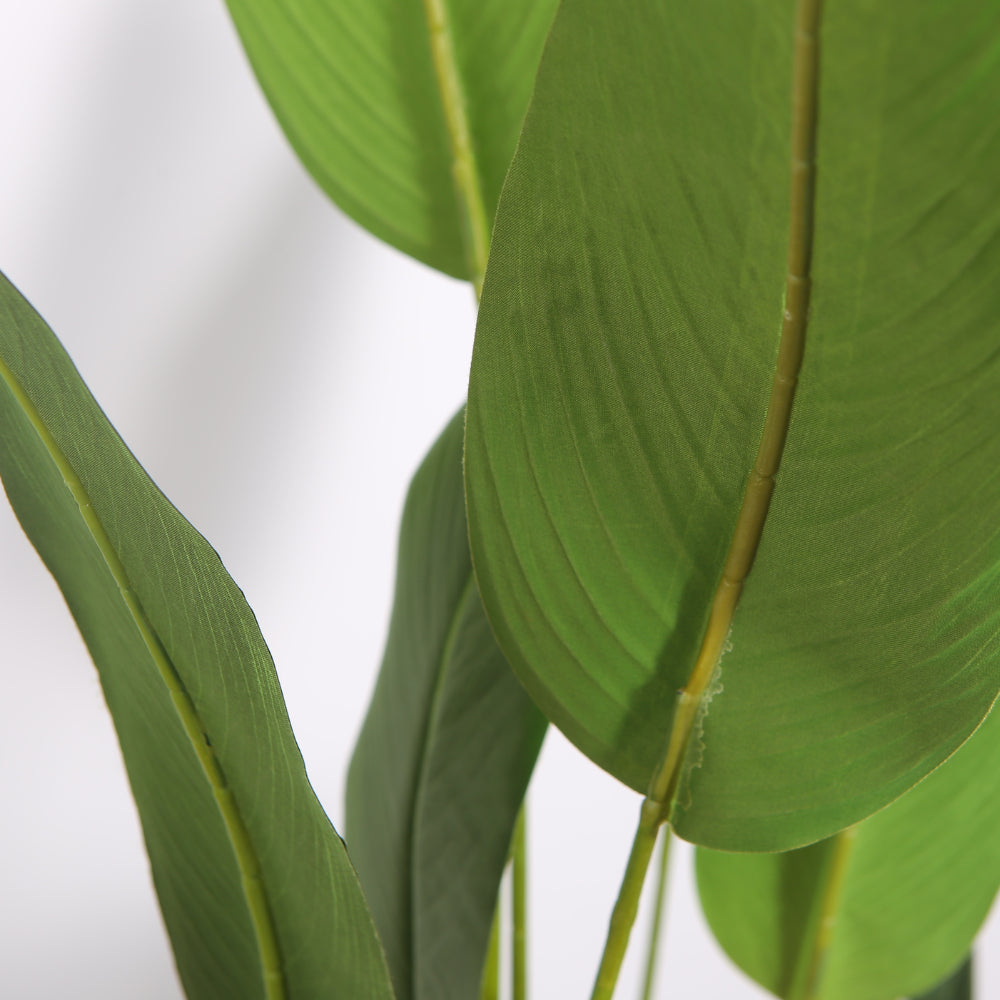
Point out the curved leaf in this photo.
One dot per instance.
(405, 111)
(256, 890)
(893, 914)
(445, 754)
(627, 355)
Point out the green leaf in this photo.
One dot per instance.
(256, 890)
(626, 356)
(884, 910)
(444, 756)
(405, 111)
(958, 986)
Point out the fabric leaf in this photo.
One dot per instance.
(257, 893)
(655, 241)
(445, 754)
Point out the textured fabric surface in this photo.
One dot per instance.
(621, 375)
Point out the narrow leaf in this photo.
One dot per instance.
(405, 111)
(915, 884)
(256, 890)
(676, 193)
(444, 756)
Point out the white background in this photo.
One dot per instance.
(280, 374)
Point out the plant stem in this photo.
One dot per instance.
(490, 989)
(519, 880)
(656, 929)
(627, 904)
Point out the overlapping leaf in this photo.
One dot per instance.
(885, 910)
(623, 363)
(445, 753)
(958, 986)
(256, 890)
(375, 112)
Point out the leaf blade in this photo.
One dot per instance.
(193, 694)
(918, 882)
(356, 89)
(444, 756)
(624, 352)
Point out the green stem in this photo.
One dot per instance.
(627, 904)
(656, 929)
(519, 864)
(490, 989)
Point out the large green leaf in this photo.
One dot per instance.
(445, 753)
(884, 910)
(256, 890)
(626, 353)
(405, 111)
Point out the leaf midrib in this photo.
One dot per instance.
(236, 829)
(465, 170)
(749, 526)
(807, 975)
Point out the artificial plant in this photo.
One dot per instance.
(729, 460)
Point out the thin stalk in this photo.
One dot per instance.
(519, 881)
(656, 930)
(490, 988)
(627, 904)
(749, 528)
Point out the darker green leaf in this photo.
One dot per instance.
(958, 986)
(444, 756)
(256, 890)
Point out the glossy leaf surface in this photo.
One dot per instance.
(374, 95)
(901, 906)
(624, 360)
(445, 754)
(255, 887)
